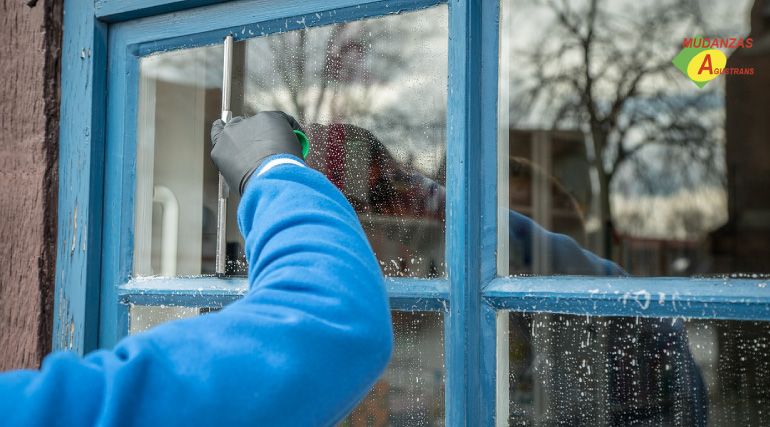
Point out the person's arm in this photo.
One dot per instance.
(304, 345)
(565, 255)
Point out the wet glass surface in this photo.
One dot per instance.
(606, 139)
(411, 392)
(372, 102)
(620, 371)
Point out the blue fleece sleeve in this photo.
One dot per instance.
(304, 345)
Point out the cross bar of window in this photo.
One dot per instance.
(122, 10)
(704, 298)
(247, 19)
(213, 292)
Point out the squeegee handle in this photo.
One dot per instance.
(223, 190)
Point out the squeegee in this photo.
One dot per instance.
(223, 190)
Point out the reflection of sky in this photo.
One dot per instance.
(394, 81)
(388, 83)
(532, 20)
(531, 26)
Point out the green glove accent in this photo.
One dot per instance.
(304, 142)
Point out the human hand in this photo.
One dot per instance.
(241, 145)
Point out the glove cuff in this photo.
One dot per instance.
(268, 163)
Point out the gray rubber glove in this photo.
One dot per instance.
(241, 145)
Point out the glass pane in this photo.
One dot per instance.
(410, 392)
(144, 317)
(372, 102)
(605, 138)
(619, 371)
(175, 227)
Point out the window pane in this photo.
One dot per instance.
(606, 139)
(144, 317)
(372, 102)
(410, 392)
(179, 97)
(597, 371)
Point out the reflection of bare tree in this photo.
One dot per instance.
(605, 67)
(368, 73)
(322, 74)
(323, 88)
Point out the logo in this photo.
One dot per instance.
(701, 61)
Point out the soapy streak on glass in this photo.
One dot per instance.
(599, 371)
(372, 102)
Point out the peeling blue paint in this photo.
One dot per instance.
(81, 153)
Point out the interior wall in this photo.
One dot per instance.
(30, 57)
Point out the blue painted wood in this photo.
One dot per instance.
(119, 187)
(122, 10)
(471, 186)
(249, 18)
(706, 298)
(488, 80)
(488, 92)
(489, 366)
(212, 292)
(418, 294)
(462, 341)
(123, 321)
(81, 145)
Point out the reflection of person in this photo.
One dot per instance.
(301, 348)
(651, 376)
(651, 371)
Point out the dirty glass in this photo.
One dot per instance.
(411, 392)
(605, 138)
(372, 102)
(622, 371)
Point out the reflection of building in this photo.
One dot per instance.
(561, 155)
(661, 257)
(741, 245)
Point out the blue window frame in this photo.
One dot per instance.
(103, 43)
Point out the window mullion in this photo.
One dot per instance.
(659, 297)
(471, 207)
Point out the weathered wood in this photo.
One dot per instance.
(30, 45)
